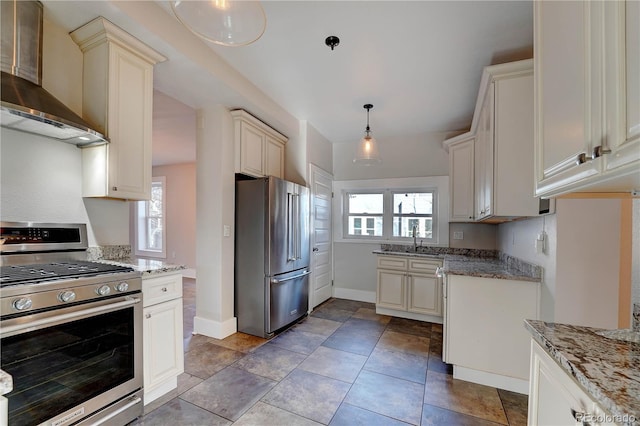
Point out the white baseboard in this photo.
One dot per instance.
(408, 315)
(350, 294)
(189, 273)
(215, 329)
(160, 390)
(490, 379)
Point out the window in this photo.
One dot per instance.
(150, 222)
(364, 209)
(390, 214)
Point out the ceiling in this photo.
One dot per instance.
(418, 62)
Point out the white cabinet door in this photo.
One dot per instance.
(274, 158)
(461, 181)
(553, 394)
(424, 294)
(162, 336)
(252, 150)
(391, 290)
(567, 94)
(484, 158)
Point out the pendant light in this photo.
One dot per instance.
(224, 22)
(367, 151)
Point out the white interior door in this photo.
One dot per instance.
(321, 183)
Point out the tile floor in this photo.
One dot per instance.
(342, 365)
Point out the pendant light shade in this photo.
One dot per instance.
(367, 150)
(224, 22)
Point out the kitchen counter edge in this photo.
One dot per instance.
(146, 266)
(604, 367)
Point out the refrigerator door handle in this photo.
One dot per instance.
(291, 249)
(277, 281)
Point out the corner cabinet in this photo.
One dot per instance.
(118, 101)
(408, 288)
(490, 166)
(259, 149)
(162, 333)
(555, 398)
(587, 97)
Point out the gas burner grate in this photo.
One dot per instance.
(41, 272)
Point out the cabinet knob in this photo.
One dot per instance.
(147, 316)
(580, 417)
(115, 188)
(582, 158)
(164, 289)
(598, 151)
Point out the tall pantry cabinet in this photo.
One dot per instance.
(118, 101)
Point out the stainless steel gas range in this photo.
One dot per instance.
(70, 329)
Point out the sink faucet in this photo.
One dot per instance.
(415, 244)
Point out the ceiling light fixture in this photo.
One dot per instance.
(332, 41)
(224, 22)
(367, 151)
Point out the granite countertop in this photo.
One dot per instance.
(491, 268)
(146, 266)
(608, 369)
(6, 383)
(470, 262)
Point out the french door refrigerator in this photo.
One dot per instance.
(271, 255)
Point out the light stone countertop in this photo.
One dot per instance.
(608, 369)
(489, 268)
(6, 383)
(146, 266)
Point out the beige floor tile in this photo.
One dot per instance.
(263, 414)
(442, 390)
(516, 406)
(370, 314)
(401, 342)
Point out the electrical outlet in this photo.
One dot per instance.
(227, 230)
(540, 243)
(458, 235)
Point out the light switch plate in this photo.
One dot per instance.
(227, 230)
(458, 235)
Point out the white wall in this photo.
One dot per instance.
(319, 149)
(635, 268)
(479, 236)
(518, 239)
(407, 156)
(354, 262)
(180, 200)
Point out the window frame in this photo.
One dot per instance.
(388, 214)
(140, 223)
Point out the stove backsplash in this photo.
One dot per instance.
(109, 252)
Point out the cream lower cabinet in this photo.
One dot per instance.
(162, 334)
(408, 288)
(259, 149)
(484, 335)
(555, 398)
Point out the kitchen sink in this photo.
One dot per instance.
(626, 334)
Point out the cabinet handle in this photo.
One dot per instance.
(115, 188)
(582, 158)
(579, 416)
(147, 316)
(164, 289)
(598, 151)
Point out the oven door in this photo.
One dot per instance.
(70, 363)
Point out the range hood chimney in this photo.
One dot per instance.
(26, 106)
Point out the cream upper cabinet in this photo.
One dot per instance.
(259, 149)
(499, 173)
(587, 111)
(117, 100)
(461, 180)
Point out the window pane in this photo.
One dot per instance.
(403, 227)
(154, 233)
(365, 203)
(155, 204)
(373, 225)
(413, 203)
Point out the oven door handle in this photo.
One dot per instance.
(41, 323)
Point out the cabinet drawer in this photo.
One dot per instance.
(161, 288)
(424, 266)
(391, 262)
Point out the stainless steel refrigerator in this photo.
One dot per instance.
(271, 255)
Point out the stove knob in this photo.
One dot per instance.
(22, 304)
(123, 286)
(103, 290)
(67, 296)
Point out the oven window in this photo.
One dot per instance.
(57, 368)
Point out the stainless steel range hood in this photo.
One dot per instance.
(26, 106)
